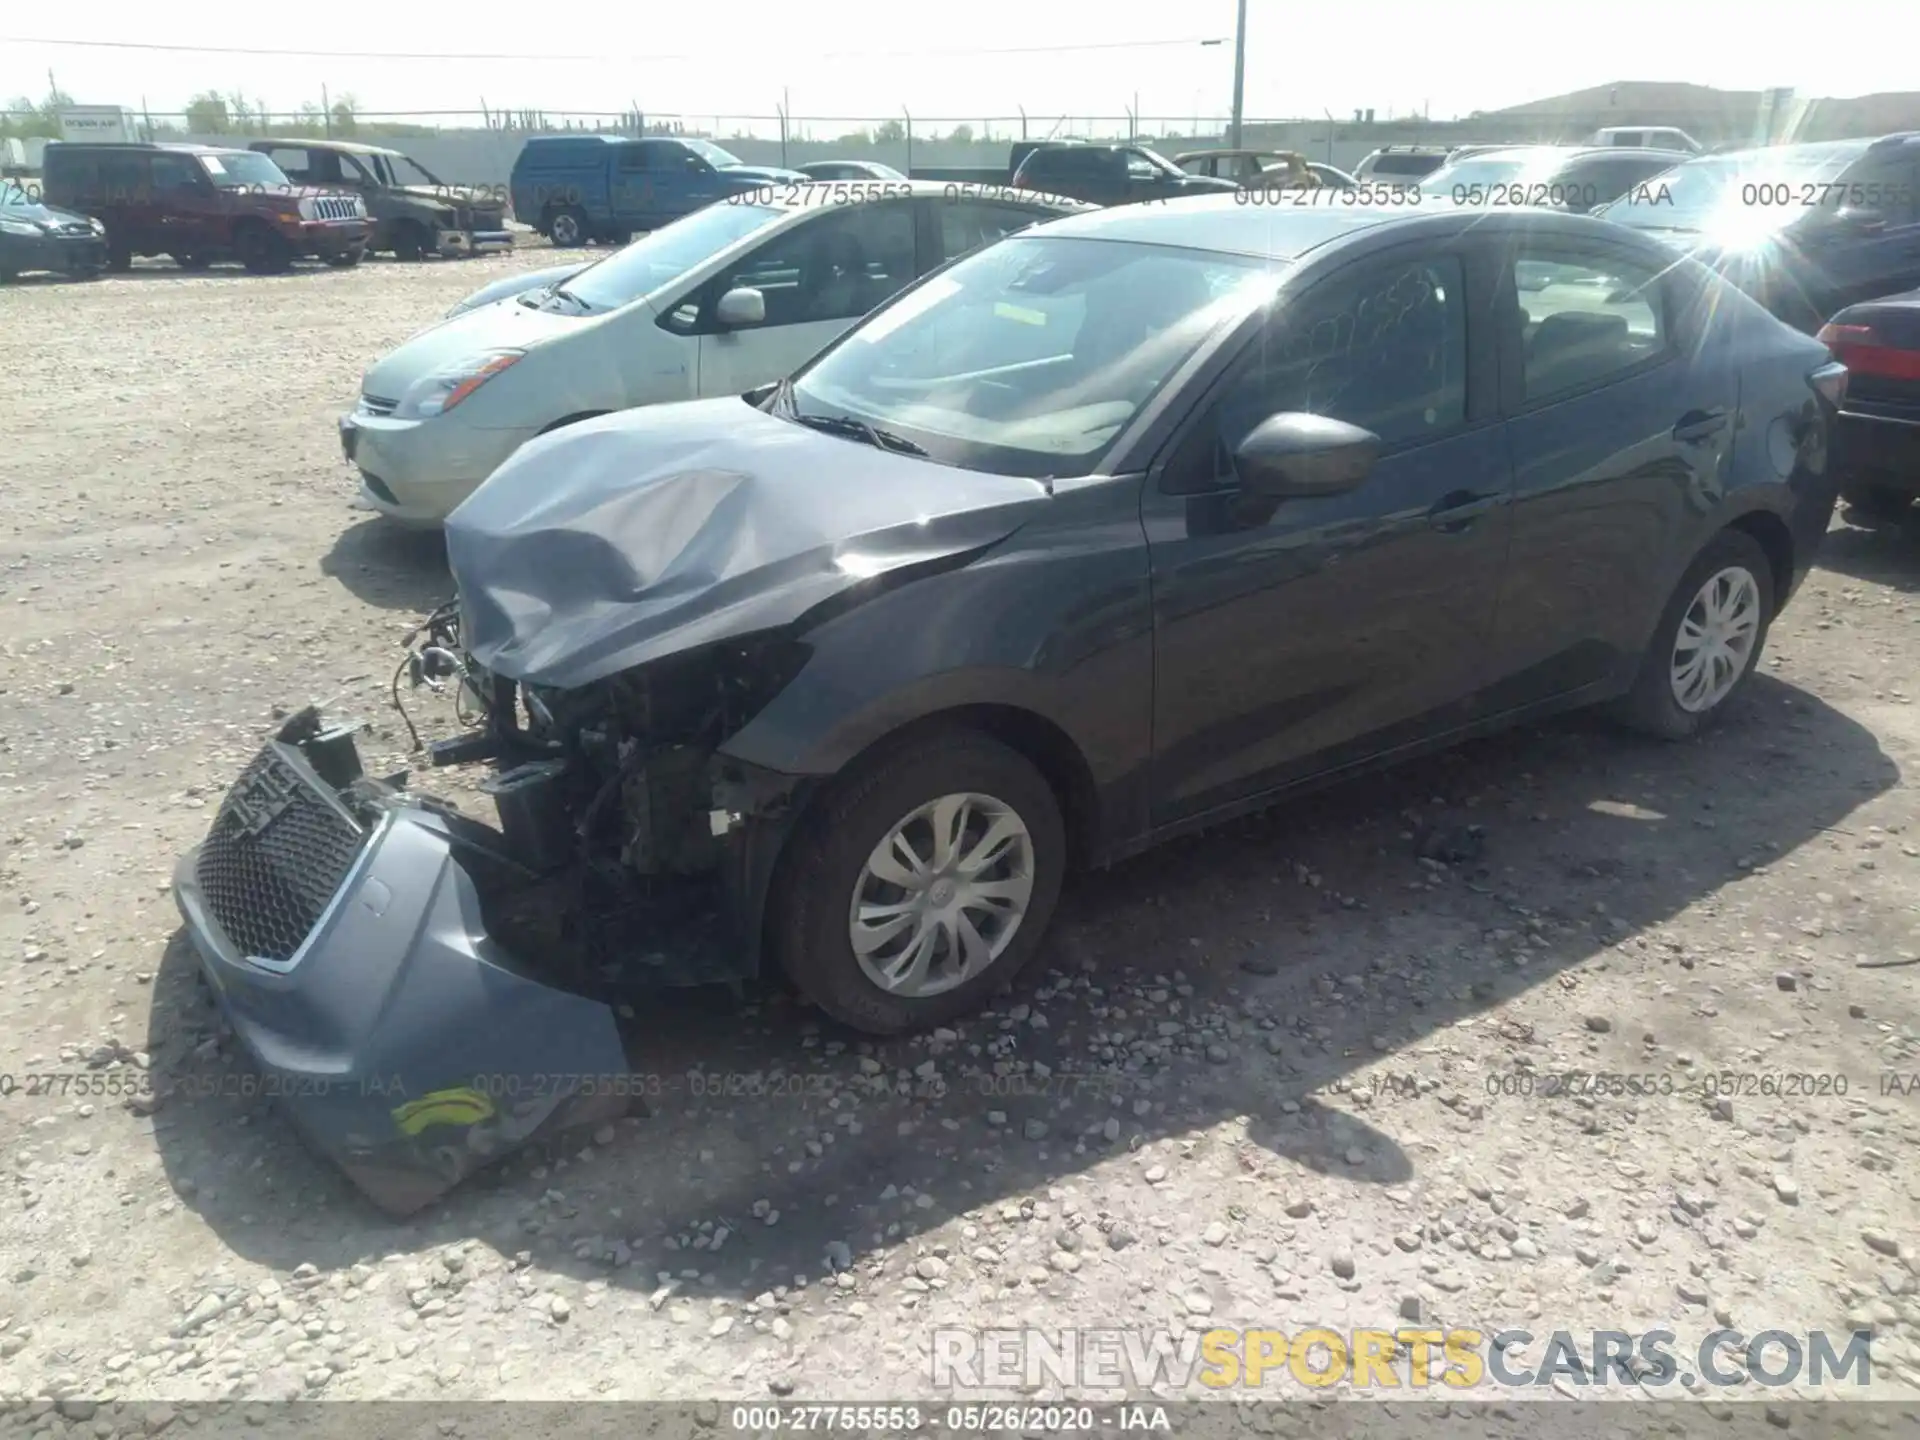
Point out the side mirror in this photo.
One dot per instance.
(741, 307)
(1291, 455)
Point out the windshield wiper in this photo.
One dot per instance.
(860, 430)
(560, 292)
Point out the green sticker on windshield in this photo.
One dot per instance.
(1020, 313)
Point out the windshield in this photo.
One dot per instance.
(1722, 195)
(1029, 358)
(659, 258)
(243, 169)
(1521, 167)
(1154, 158)
(411, 172)
(713, 154)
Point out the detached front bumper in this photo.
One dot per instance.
(402, 1041)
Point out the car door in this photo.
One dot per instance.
(183, 201)
(688, 178)
(1295, 637)
(815, 278)
(1622, 416)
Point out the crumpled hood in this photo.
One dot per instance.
(620, 540)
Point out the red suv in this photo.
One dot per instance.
(200, 203)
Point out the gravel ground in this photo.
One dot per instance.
(1275, 1076)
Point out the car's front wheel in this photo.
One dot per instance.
(1708, 641)
(920, 884)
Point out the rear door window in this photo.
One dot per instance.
(1587, 319)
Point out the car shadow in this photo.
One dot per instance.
(1252, 999)
(1881, 552)
(391, 566)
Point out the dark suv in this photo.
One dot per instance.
(414, 212)
(1111, 175)
(202, 203)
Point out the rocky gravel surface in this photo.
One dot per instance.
(1298, 1072)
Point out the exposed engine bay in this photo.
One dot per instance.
(621, 822)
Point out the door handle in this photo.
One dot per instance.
(1458, 510)
(1699, 425)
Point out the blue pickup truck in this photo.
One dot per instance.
(576, 188)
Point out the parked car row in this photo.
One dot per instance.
(264, 206)
(1025, 546)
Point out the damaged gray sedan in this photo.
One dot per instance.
(1120, 527)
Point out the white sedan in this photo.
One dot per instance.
(733, 296)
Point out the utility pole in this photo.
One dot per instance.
(1239, 76)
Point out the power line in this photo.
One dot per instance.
(522, 56)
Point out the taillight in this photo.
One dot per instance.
(1830, 382)
(1861, 349)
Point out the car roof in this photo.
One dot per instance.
(1241, 150)
(1811, 150)
(173, 147)
(1581, 152)
(1225, 225)
(348, 147)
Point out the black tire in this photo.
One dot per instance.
(1876, 502)
(567, 227)
(807, 928)
(261, 251)
(119, 254)
(190, 261)
(1651, 706)
(410, 240)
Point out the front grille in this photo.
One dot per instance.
(267, 888)
(327, 208)
(378, 405)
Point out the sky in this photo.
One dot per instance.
(866, 59)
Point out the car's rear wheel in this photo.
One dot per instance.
(1708, 641)
(920, 884)
(1876, 502)
(567, 227)
(261, 251)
